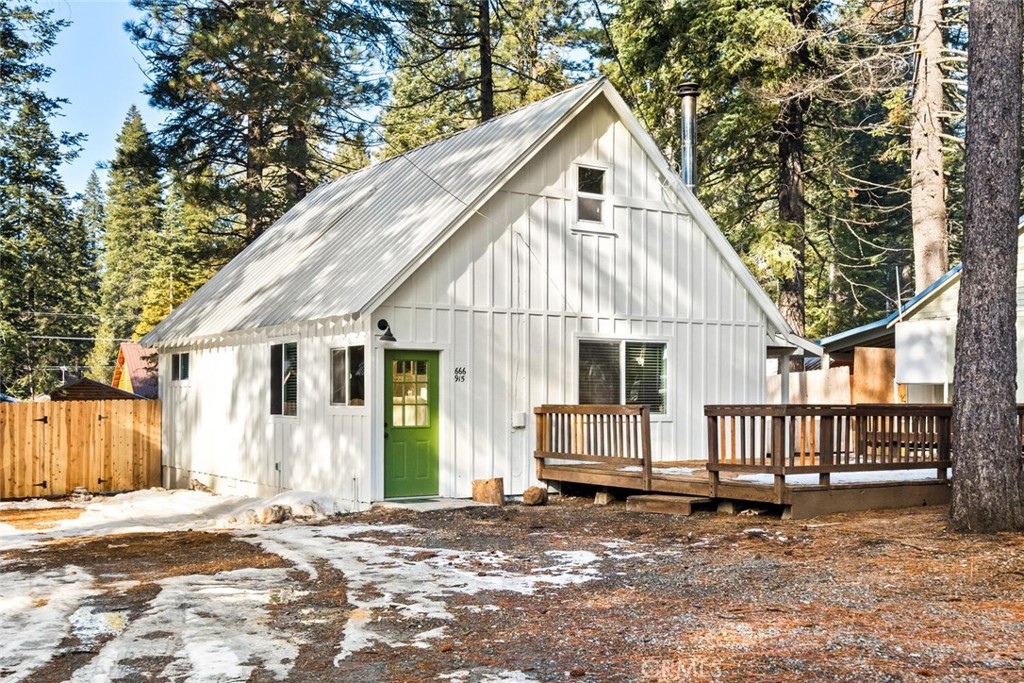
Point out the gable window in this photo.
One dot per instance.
(179, 367)
(622, 373)
(284, 379)
(590, 194)
(348, 373)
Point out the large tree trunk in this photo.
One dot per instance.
(255, 166)
(927, 184)
(486, 67)
(988, 479)
(297, 152)
(790, 130)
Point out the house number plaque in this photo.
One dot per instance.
(460, 374)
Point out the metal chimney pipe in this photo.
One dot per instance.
(687, 93)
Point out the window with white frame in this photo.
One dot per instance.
(622, 372)
(179, 367)
(348, 372)
(284, 379)
(590, 195)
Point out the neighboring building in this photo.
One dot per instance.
(135, 370)
(86, 389)
(390, 335)
(923, 333)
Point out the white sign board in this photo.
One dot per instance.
(924, 352)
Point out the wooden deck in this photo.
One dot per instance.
(606, 446)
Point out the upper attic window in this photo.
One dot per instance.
(590, 194)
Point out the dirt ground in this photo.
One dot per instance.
(876, 596)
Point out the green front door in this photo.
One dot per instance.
(410, 423)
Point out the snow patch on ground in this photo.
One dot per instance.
(212, 628)
(159, 510)
(387, 578)
(34, 616)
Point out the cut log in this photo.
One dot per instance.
(489, 491)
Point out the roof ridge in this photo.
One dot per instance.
(594, 82)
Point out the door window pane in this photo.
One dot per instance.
(410, 394)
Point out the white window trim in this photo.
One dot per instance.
(346, 407)
(587, 227)
(611, 337)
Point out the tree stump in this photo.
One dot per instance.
(489, 491)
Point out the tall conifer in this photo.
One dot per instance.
(131, 232)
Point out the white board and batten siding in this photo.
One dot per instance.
(218, 427)
(511, 293)
(505, 294)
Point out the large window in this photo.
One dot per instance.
(590, 194)
(348, 373)
(622, 372)
(284, 379)
(179, 367)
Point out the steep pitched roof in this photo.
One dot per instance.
(349, 243)
(136, 361)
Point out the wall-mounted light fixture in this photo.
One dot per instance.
(384, 327)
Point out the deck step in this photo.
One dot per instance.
(665, 505)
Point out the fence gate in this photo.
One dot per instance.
(52, 447)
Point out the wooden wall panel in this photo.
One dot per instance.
(874, 371)
(97, 445)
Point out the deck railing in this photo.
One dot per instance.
(605, 434)
(798, 439)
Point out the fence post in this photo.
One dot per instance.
(826, 445)
(778, 442)
(645, 435)
(713, 456)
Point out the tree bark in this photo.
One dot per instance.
(790, 129)
(255, 166)
(297, 152)
(486, 67)
(927, 183)
(988, 480)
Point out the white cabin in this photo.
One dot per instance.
(549, 256)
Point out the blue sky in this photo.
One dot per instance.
(100, 72)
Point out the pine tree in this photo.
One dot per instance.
(41, 278)
(182, 259)
(50, 256)
(131, 232)
(790, 101)
(988, 486)
(257, 91)
(465, 61)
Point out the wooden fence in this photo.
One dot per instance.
(50, 448)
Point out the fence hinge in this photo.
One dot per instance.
(41, 484)
(100, 481)
(101, 418)
(45, 419)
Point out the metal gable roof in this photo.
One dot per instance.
(332, 253)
